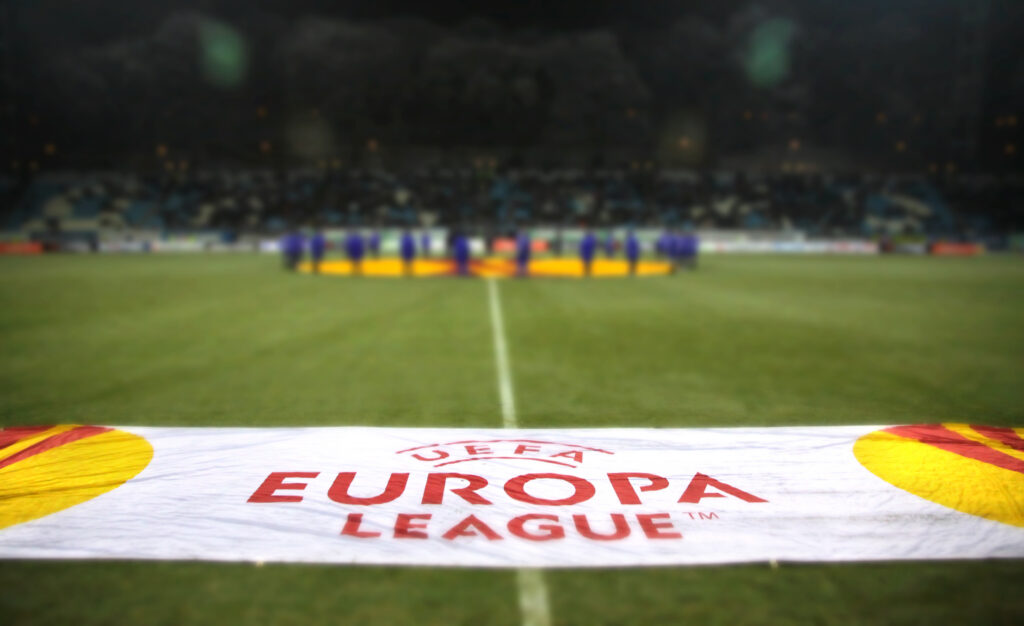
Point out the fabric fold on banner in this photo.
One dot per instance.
(513, 497)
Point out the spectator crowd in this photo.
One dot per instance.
(255, 201)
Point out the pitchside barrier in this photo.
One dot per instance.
(845, 246)
(20, 248)
(943, 248)
(513, 498)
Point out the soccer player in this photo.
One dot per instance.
(676, 249)
(317, 247)
(632, 251)
(460, 250)
(523, 254)
(664, 244)
(407, 248)
(588, 246)
(690, 245)
(291, 249)
(355, 251)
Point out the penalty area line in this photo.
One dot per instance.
(533, 593)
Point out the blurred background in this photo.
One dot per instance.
(810, 135)
(231, 118)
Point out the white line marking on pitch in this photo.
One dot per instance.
(533, 593)
(508, 400)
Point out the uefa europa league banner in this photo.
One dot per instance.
(497, 498)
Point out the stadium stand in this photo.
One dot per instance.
(266, 201)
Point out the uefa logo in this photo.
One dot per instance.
(972, 469)
(46, 469)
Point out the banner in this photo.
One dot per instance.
(512, 498)
(943, 248)
(20, 247)
(812, 246)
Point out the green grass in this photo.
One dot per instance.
(232, 340)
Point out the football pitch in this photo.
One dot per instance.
(232, 340)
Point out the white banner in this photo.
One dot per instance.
(814, 246)
(503, 498)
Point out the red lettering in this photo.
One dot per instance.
(339, 490)
(624, 488)
(621, 528)
(550, 531)
(352, 524)
(433, 492)
(583, 489)
(697, 490)
(407, 528)
(439, 454)
(575, 455)
(711, 515)
(523, 448)
(275, 481)
(474, 450)
(471, 527)
(655, 524)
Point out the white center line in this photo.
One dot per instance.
(508, 400)
(533, 593)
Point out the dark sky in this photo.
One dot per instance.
(575, 14)
(848, 60)
(99, 20)
(96, 21)
(554, 15)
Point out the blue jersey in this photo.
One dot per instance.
(317, 246)
(425, 244)
(291, 244)
(686, 246)
(632, 248)
(354, 247)
(523, 248)
(672, 246)
(461, 250)
(408, 247)
(665, 244)
(588, 246)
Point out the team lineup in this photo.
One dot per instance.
(520, 256)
